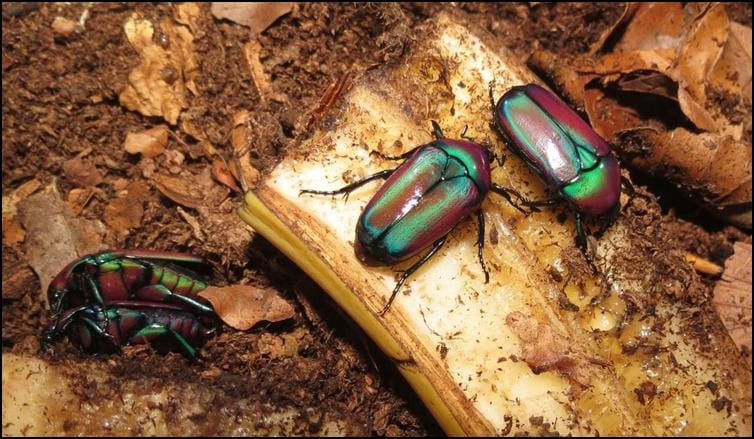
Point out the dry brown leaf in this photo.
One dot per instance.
(698, 53)
(732, 72)
(732, 295)
(705, 55)
(700, 62)
(221, 173)
(157, 86)
(81, 174)
(78, 198)
(195, 191)
(55, 236)
(126, 210)
(257, 16)
(13, 233)
(179, 190)
(243, 306)
(653, 26)
(149, 143)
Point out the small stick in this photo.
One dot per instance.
(703, 265)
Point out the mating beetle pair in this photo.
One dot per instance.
(109, 299)
(442, 182)
(98, 328)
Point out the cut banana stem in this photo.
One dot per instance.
(535, 350)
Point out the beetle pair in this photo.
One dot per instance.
(442, 182)
(113, 298)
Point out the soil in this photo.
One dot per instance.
(61, 100)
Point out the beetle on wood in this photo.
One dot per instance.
(422, 200)
(574, 161)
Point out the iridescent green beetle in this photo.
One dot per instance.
(127, 275)
(433, 190)
(564, 150)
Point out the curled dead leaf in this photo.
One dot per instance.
(149, 143)
(179, 190)
(243, 306)
(221, 173)
(713, 170)
(55, 236)
(257, 16)
(194, 191)
(638, 98)
(157, 86)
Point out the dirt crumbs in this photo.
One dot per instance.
(76, 87)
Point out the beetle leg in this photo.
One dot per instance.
(156, 330)
(161, 293)
(96, 330)
(435, 247)
(533, 204)
(403, 156)
(351, 187)
(94, 288)
(582, 242)
(480, 243)
(437, 130)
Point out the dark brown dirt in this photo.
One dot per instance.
(60, 97)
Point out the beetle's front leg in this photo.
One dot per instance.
(96, 331)
(532, 204)
(161, 293)
(351, 187)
